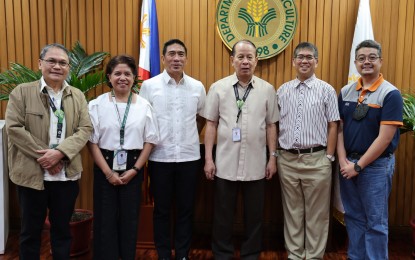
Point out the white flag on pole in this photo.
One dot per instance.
(363, 31)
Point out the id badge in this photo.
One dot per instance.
(236, 134)
(120, 160)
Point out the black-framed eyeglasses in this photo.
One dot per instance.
(53, 62)
(370, 58)
(302, 57)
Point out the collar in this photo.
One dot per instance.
(235, 80)
(308, 82)
(373, 87)
(169, 80)
(49, 89)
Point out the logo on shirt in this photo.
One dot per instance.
(269, 24)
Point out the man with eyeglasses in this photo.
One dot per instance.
(307, 142)
(370, 112)
(48, 124)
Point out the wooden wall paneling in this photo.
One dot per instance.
(210, 44)
(203, 47)
(135, 32)
(382, 10)
(389, 61)
(121, 26)
(50, 18)
(195, 46)
(303, 22)
(320, 39)
(102, 32)
(185, 25)
(10, 27)
(18, 30)
(219, 52)
(325, 61)
(73, 21)
(81, 24)
(42, 16)
(59, 14)
(129, 23)
(400, 50)
(279, 79)
(105, 25)
(341, 50)
(334, 44)
(404, 38)
(89, 44)
(410, 77)
(3, 35)
(312, 9)
(26, 37)
(113, 28)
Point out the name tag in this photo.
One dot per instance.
(236, 134)
(120, 160)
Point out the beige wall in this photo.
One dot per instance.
(113, 26)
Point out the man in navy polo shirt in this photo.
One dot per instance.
(370, 112)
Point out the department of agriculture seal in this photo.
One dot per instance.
(269, 24)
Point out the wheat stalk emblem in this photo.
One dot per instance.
(257, 15)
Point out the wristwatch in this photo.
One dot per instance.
(274, 153)
(135, 169)
(357, 168)
(331, 157)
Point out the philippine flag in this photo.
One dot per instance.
(149, 63)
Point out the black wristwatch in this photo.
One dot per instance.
(357, 168)
(135, 169)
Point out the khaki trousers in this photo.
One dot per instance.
(306, 188)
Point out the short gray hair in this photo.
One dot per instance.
(52, 45)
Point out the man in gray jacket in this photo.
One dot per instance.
(48, 124)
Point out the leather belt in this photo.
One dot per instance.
(356, 156)
(301, 151)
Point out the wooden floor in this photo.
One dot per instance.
(400, 248)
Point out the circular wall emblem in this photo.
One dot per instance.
(269, 24)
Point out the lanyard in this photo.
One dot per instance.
(240, 102)
(124, 121)
(59, 113)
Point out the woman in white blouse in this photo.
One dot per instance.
(125, 131)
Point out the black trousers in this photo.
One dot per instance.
(116, 210)
(59, 197)
(224, 210)
(173, 183)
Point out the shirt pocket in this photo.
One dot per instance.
(33, 121)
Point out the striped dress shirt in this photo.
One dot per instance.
(305, 110)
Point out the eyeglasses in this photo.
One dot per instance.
(370, 58)
(302, 57)
(52, 63)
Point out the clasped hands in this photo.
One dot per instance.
(51, 160)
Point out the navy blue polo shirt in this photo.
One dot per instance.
(385, 108)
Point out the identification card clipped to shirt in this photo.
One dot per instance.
(120, 160)
(236, 134)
